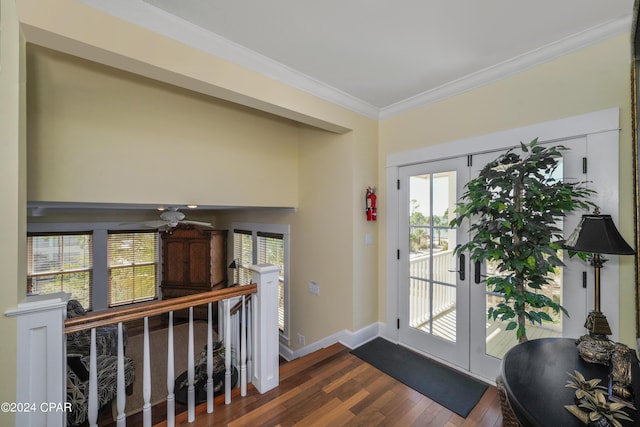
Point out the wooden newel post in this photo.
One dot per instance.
(265, 327)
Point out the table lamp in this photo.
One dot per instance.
(597, 234)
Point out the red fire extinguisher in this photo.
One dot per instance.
(370, 204)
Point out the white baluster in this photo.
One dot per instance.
(413, 301)
(418, 302)
(121, 418)
(227, 352)
(243, 349)
(235, 333)
(146, 377)
(171, 397)
(191, 391)
(209, 359)
(249, 340)
(93, 382)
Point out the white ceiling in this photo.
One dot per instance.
(380, 56)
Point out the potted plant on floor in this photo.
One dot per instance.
(516, 204)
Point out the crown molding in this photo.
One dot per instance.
(157, 20)
(511, 66)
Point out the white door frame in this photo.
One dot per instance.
(457, 351)
(601, 128)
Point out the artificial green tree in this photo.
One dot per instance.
(515, 206)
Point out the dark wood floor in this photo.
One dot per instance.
(331, 387)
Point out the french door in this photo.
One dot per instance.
(434, 292)
(443, 299)
(489, 339)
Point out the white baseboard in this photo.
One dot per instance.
(345, 337)
(355, 339)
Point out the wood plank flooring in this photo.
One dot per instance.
(331, 387)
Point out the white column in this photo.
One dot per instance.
(41, 358)
(265, 328)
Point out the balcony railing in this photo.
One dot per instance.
(428, 300)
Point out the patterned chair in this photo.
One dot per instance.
(78, 345)
(106, 336)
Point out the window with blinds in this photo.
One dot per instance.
(271, 251)
(132, 259)
(60, 263)
(243, 255)
(257, 247)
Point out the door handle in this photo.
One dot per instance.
(476, 272)
(461, 272)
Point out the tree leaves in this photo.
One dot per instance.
(515, 205)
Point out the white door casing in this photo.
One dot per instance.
(601, 132)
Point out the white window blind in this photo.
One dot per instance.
(255, 243)
(243, 253)
(132, 267)
(271, 251)
(60, 263)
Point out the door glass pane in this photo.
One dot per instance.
(498, 340)
(432, 276)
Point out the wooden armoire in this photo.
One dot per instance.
(193, 260)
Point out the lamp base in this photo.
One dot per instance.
(597, 324)
(595, 348)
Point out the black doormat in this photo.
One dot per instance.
(453, 390)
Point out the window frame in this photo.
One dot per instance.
(155, 264)
(99, 296)
(267, 229)
(61, 272)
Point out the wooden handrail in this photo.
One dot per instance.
(125, 314)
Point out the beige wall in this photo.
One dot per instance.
(324, 182)
(97, 134)
(12, 194)
(591, 79)
(92, 127)
(322, 243)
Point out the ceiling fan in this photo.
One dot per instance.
(171, 217)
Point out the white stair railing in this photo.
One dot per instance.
(42, 366)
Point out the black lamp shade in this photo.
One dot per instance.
(233, 264)
(598, 234)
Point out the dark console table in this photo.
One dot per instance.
(535, 374)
